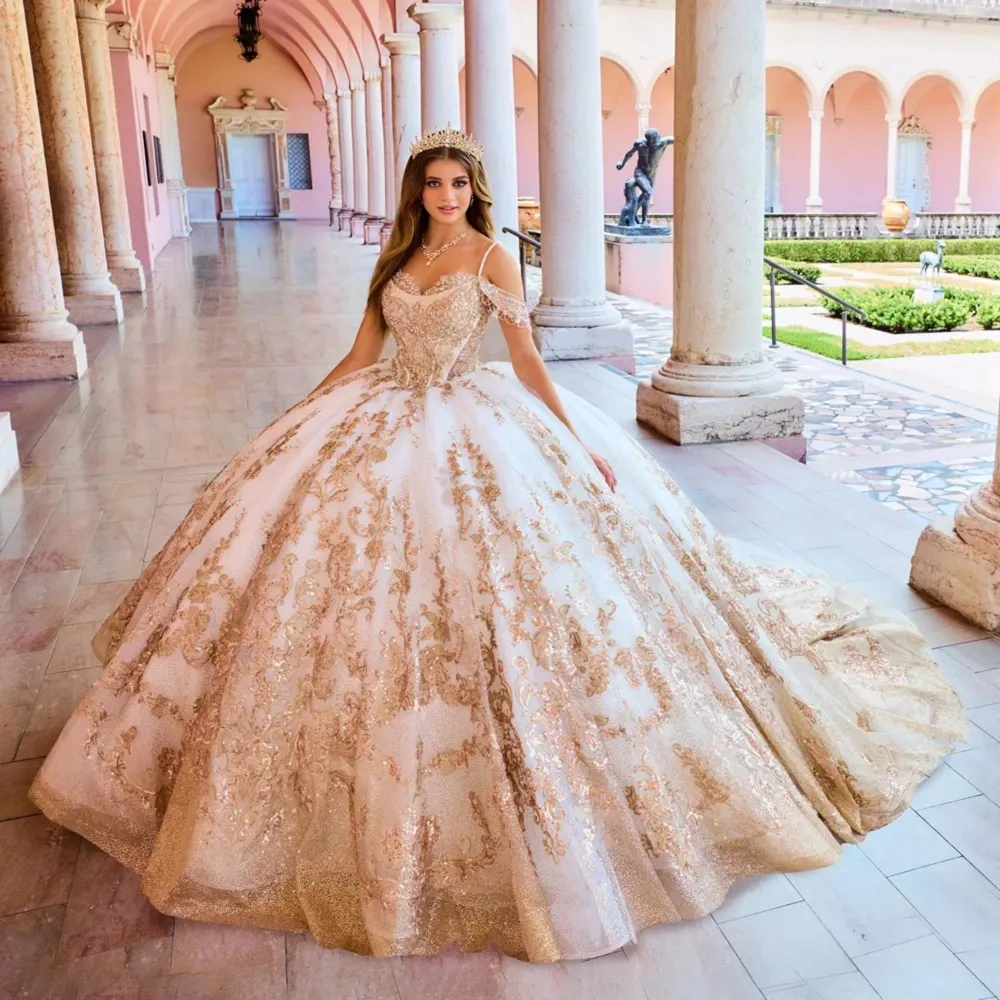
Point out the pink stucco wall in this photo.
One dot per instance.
(786, 97)
(855, 147)
(213, 69)
(661, 117)
(621, 129)
(984, 174)
(932, 101)
(526, 99)
(138, 110)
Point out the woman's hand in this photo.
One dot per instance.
(604, 467)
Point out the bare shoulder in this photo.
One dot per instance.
(503, 270)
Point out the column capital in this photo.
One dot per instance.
(165, 61)
(343, 92)
(121, 33)
(435, 16)
(357, 85)
(373, 77)
(968, 123)
(643, 107)
(893, 120)
(91, 10)
(405, 43)
(816, 115)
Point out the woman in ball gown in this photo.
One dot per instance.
(419, 669)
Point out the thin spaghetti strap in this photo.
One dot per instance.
(482, 264)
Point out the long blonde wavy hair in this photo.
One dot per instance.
(411, 220)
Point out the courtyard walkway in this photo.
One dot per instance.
(242, 321)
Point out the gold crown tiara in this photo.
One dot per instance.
(447, 138)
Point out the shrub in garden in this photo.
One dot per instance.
(808, 271)
(977, 267)
(873, 251)
(988, 311)
(894, 310)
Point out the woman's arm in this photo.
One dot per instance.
(502, 270)
(365, 352)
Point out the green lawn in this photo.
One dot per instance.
(828, 345)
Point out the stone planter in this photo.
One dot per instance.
(895, 214)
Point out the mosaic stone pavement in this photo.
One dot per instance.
(929, 489)
(851, 417)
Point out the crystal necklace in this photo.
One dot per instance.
(432, 255)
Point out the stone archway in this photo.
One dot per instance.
(251, 120)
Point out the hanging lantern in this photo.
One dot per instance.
(249, 34)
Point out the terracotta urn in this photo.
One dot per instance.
(895, 214)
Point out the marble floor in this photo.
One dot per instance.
(241, 321)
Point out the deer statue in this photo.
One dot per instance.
(930, 261)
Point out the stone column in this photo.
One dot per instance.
(376, 157)
(717, 384)
(346, 122)
(390, 162)
(441, 105)
(892, 120)
(489, 105)
(573, 318)
(404, 53)
(642, 112)
(170, 138)
(10, 461)
(36, 339)
(963, 203)
(69, 158)
(360, 117)
(329, 107)
(814, 203)
(125, 267)
(958, 564)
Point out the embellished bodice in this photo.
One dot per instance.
(439, 331)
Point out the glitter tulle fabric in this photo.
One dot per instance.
(409, 675)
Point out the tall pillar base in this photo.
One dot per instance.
(958, 564)
(373, 229)
(95, 308)
(708, 419)
(357, 226)
(386, 232)
(9, 460)
(180, 224)
(814, 206)
(128, 278)
(344, 219)
(578, 331)
(41, 360)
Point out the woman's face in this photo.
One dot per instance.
(447, 191)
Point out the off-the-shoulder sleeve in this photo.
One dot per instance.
(509, 308)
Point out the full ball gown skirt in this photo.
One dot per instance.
(410, 675)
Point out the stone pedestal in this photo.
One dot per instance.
(32, 312)
(439, 93)
(958, 563)
(357, 225)
(344, 217)
(69, 158)
(9, 460)
(717, 385)
(124, 266)
(641, 267)
(373, 231)
(573, 318)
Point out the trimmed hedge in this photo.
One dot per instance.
(808, 271)
(977, 267)
(872, 251)
(893, 309)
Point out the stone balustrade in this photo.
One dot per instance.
(833, 226)
(972, 9)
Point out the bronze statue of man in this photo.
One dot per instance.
(648, 150)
